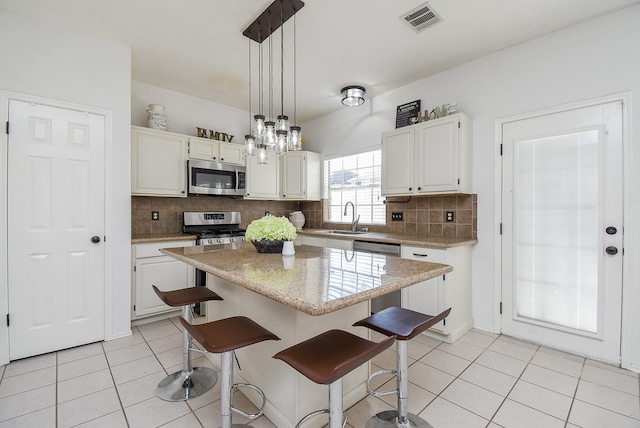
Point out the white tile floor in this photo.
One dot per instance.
(482, 380)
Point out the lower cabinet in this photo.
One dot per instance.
(452, 290)
(151, 267)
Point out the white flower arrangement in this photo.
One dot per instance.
(271, 228)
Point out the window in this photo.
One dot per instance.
(355, 178)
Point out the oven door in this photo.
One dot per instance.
(214, 178)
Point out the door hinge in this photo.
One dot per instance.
(7, 128)
(459, 125)
(8, 322)
(458, 181)
(134, 308)
(134, 268)
(500, 149)
(500, 228)
(444, 277)
(500, 308)
(444, 321)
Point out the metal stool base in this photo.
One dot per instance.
(387, 419)
(181, 386)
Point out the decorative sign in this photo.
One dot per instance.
(407, 114)
(214, 135)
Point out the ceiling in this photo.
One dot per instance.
(196, 46)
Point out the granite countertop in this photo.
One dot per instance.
(394, 238)
(163, 237)
(316, 280)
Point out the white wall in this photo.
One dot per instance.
(589, 60)
(186, 113)
(51, 62)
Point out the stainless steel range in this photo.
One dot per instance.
(212, 228)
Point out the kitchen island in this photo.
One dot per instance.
(297, 297)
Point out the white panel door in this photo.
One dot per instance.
(562, 230)
(55, 209)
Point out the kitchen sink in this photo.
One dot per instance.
(346, 232)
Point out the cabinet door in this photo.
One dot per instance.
(294, 176)
(427, 297)
(263, 180)
(398, 161)
(231, 153)
(201, 148)
(151, 267)
(158, 163)
(437, 156)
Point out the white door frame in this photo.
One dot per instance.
(627, 284)
(5, 97)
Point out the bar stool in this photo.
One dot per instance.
(405, 324)
(190, 382)
(224, 337)
(325, 359)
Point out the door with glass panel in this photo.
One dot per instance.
(562, 241)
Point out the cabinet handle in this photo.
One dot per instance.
(419, 188)
(221, 159)
(410, 189)
(420, 255)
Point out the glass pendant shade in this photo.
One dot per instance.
(250, 145)
(270, 134)
(283, 123)
(259, 126)
(262, 154)
(295, 138)
(281, 141)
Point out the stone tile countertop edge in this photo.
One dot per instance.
(164, 237)
(394, 238)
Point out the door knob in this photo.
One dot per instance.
(611, 230)
(611, 250)
(95, 239)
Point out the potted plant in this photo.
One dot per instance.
(269, 233)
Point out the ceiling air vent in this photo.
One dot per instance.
(420, 18)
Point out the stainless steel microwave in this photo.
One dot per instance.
(215, 178)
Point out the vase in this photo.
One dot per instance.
(297, 219)
(288, 249)
(268, 246)
(157, 117)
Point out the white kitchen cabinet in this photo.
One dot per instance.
(158, 163)
(151, 267)
(452, 290)
(432, 157)
(301, 176)
(263, 180)
(216, 151)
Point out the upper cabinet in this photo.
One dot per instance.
(432, 157)
(217, 151)
(158, 162)
(301, 176)
(263, 180)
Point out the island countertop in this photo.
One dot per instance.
(316, 280)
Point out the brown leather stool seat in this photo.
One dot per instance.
(325, 359)
(223, 337)
(190, 382)
(404, 324)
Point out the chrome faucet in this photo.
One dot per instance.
(354, 220)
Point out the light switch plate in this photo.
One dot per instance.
(397, 216)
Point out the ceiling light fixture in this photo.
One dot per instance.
(353, 96)
(274, 134)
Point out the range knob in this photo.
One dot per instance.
(232, 239)
(219, 240)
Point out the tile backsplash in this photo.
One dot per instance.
(423, 215)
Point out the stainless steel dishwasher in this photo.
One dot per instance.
(390, 299)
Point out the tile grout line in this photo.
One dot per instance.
(115, 386)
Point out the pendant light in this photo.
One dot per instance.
(269, 134)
